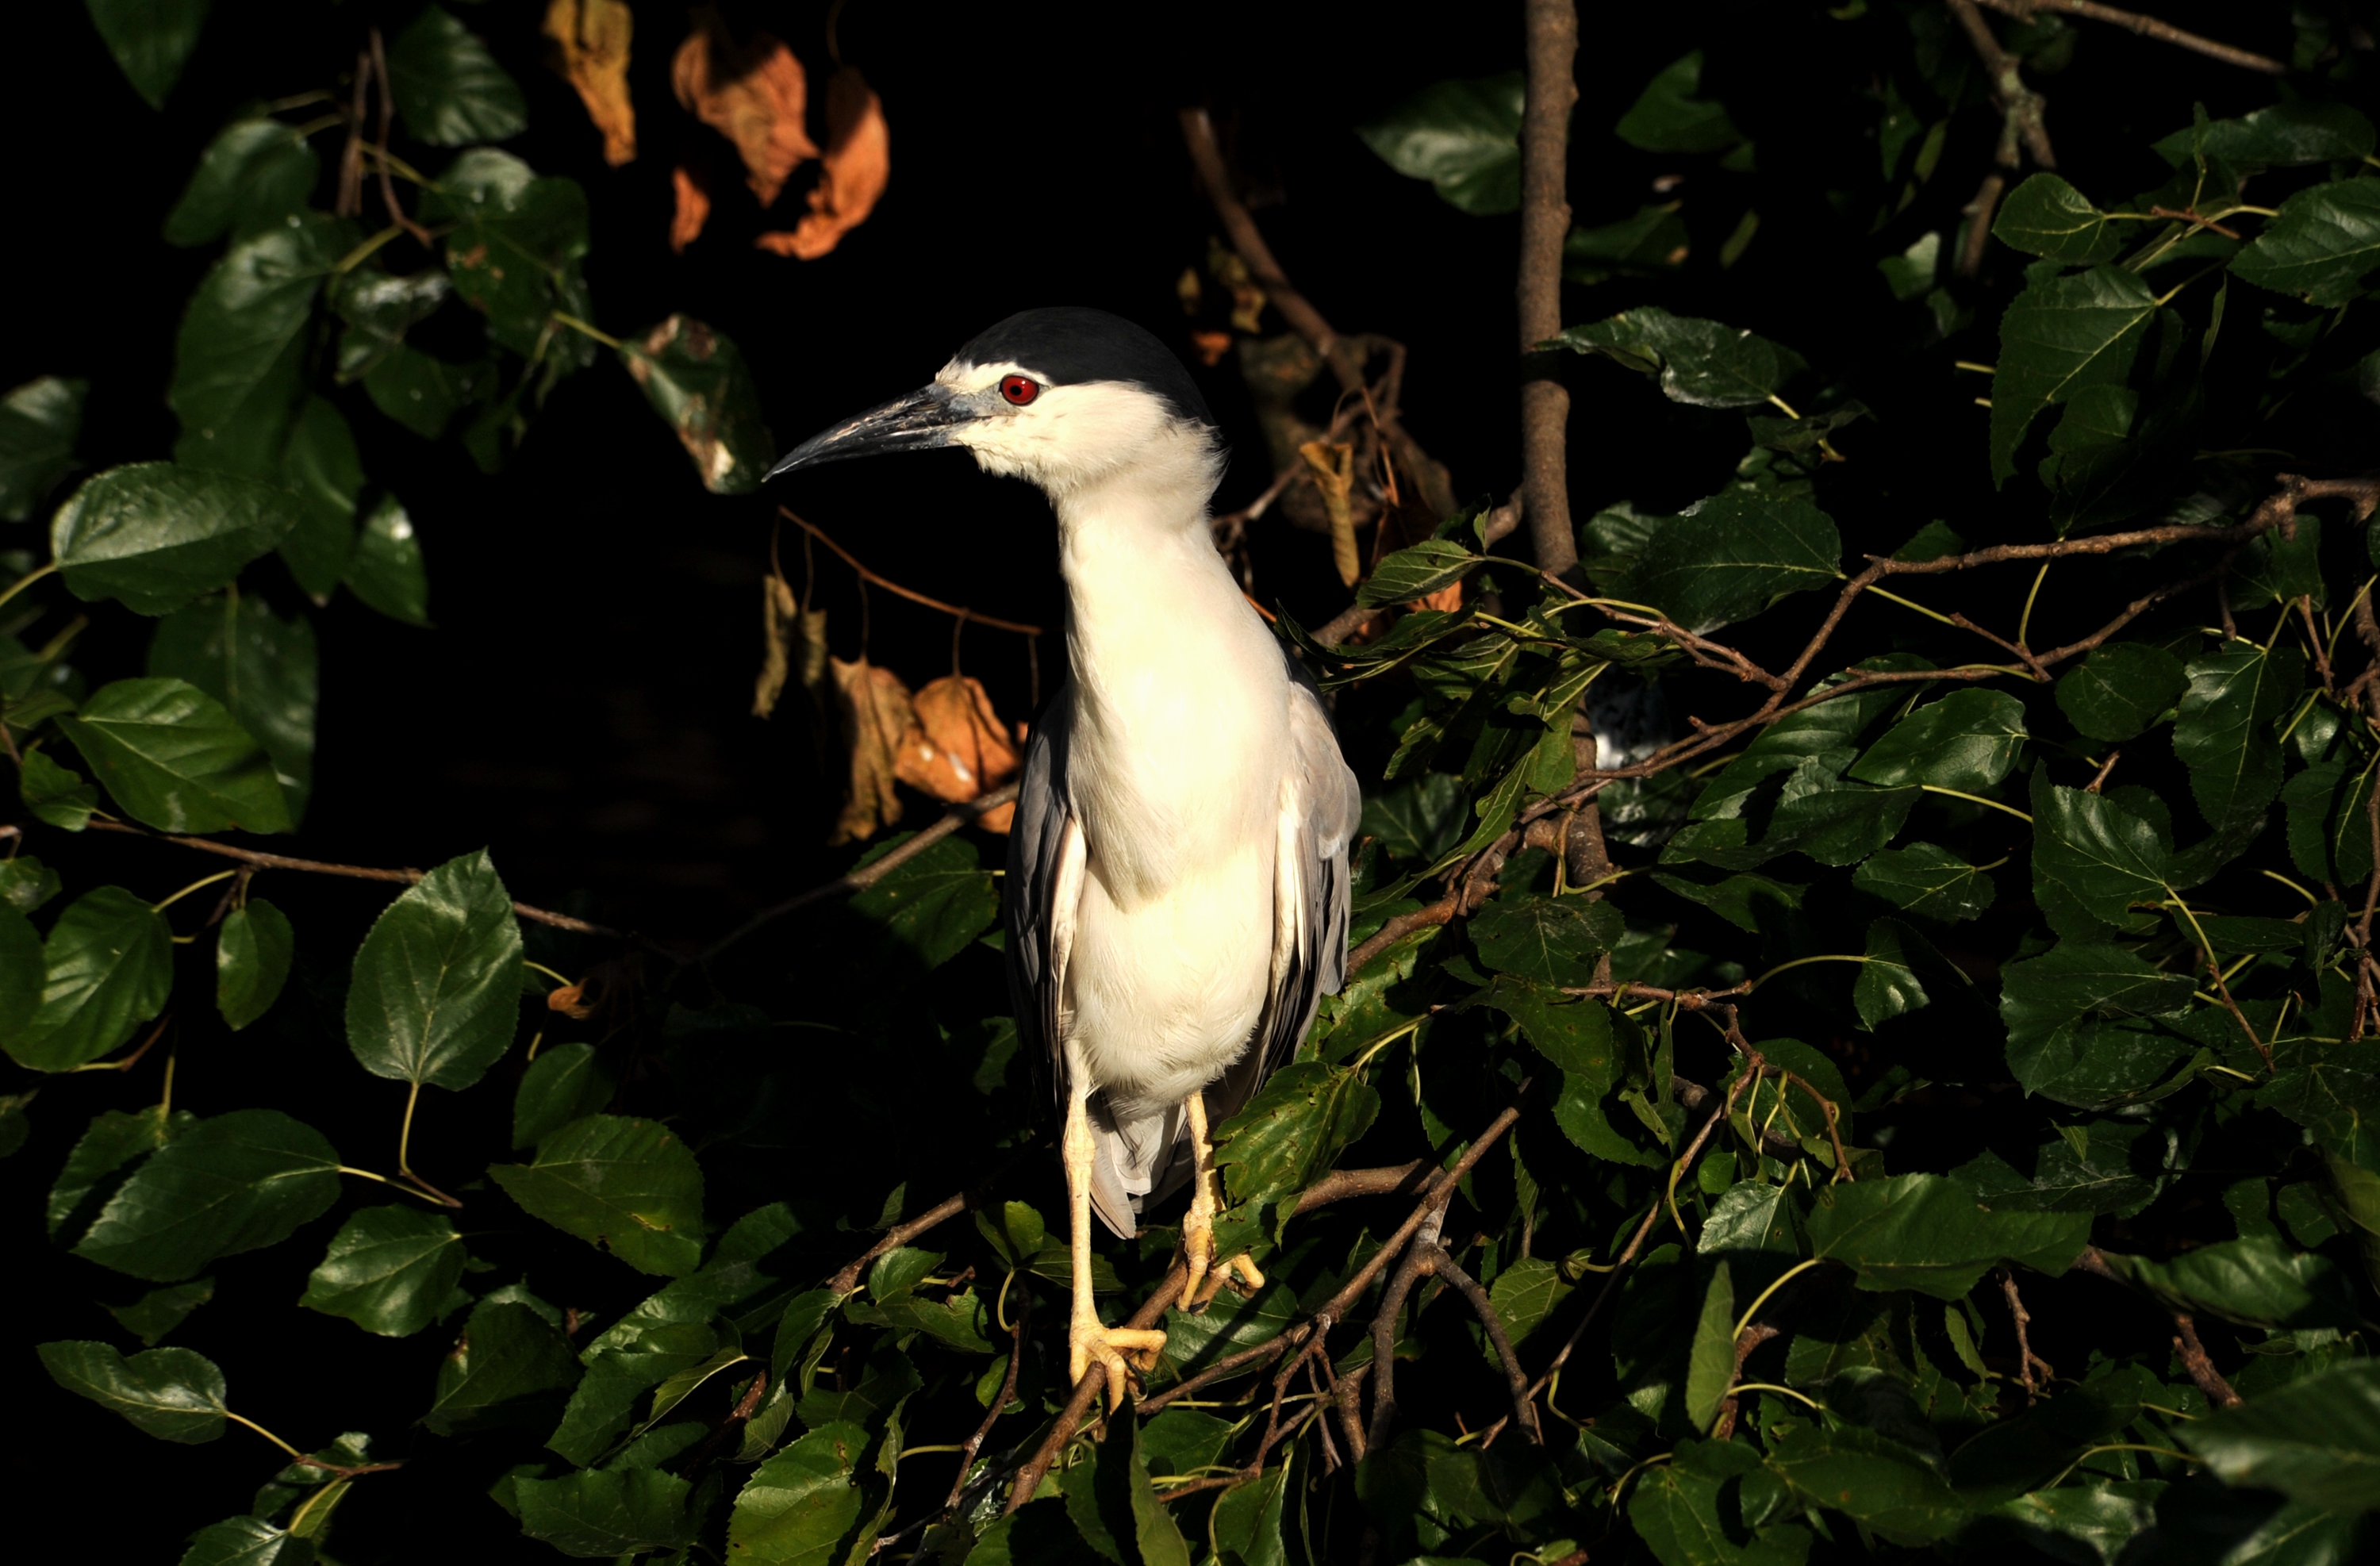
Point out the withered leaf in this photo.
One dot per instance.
(1334, 467)
(693, 210)
(857, 165)
(570, 1000)
(697, 380)
(590, 48)
(755, 96)
(1211, 346)
(874, 706)
(956, 749)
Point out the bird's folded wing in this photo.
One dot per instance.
(1036, 853)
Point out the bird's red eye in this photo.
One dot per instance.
(1019, 389)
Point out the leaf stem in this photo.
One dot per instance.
(1798, 961)
(541, 967)
(405, 1133)
(1977, 799)
(2024, 621)
(2293, 886)
(194, 886)
(2117, 1446)
(1906, 603)
(27, 580)
(439, 1201)
(285, 1446)
(579, 326)
(363, 252)
(1753, 1310)
(1772, 1387)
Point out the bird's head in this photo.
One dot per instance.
(1062, 398)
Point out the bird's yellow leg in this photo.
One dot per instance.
(1199, 1224)
(1087, 1339)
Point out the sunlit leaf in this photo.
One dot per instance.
(1464, 136)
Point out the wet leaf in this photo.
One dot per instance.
(154, 535)
(254, 951)
(590, 44)
(386, 570)
(628, 1186)
(173, 759)
(252, 175)
(173, 1394)
(390, 1271)
(39, 421)
(853, 171)
(55, 793)
(1464, 136)
(698, 383)
(239, 369)
(2322, 246)
(25, 884)
(448, 87)
(2060, 336)
(515, 252)
(234, 1182)
(756, 96)
(436, 995)
(151, 40)
(108, 966)
(261, 668)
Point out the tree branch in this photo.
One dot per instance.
(1552, 28)
(2147, 27)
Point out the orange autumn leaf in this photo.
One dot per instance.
(591, 40)
(1449, 596)
(571, 1002)
(956, 749)
(755, 96)
(1211, 346)
(874, 708)
(693, 207)
(857, 165)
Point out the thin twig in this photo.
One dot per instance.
(2025, 1358)
(2201, 1370)
(900, 1234)
(889, 585)
(1397, 928)
(2147, 27)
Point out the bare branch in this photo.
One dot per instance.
(2147, 27)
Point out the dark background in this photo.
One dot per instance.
(582, 707)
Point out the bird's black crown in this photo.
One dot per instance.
(1068, 344)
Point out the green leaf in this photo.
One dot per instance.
(2061, 335)
(108, 966)
(2235, 769)
(2045, 1000)
(510, 1368)
(1732, 556)
(1924, 1233)
(254, 952)
(2280, 134)
(2321, 247)
(1574, 1032)
(246, 1541)
(390, 1271)
(321, 466)
(1419, 818)
(1247, 1521)
(264, 670)
(56, 793)
(173, 1394)
(386, 570)
(448, 87)
(237, 1182)
(566, 1082)
(155, 536)
(1524, 1294)
(598, 1514)
(239, 362)
(252, 174)
(1704, 363)
(698, 384)
(1710, 1366)
(1888, 984)
(436, 995)
(151, 40)
(1748, 1216)
(2316, 1440)
(2092, 859)
(175, 759)
(628, 1186)
(802, 1502)
(39, 421)
(25, 884)
(1678, 1511)
(1418, 571)
(2258, 1281)
(2045, 216)
(1925, 879)
(1292, 1131)
(2120, 690)
(1668, 117)
(935, 906)
(515, 252)
(1552, 940)
(99, 1163)
(158, 1312)
(1870, 1477)
(1968, 741)
(1653, 242)
(1464, 136)
(1116, 1510)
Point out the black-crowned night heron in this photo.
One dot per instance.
(1177, 875)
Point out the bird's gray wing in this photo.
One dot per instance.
(1320, 807)
(1036, 840)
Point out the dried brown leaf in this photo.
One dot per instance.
(1211, 346)
(1332, 464)
(590, 48)
(876, 712)
(570, 1002)
(957, 749)
(780, 621)
(693, 206)
(857, 165)
(755, 96)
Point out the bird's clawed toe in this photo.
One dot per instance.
(1112, 1349)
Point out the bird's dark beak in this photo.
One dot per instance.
(919, 421)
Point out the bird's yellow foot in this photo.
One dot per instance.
(1206, 1278)
(1110, 1348)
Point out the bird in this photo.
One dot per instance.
(1176, 898)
